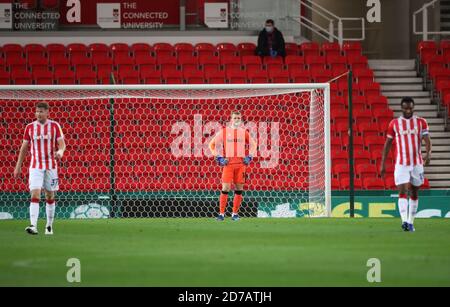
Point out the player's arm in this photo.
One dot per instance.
(427, 140)
(387, 147)
(61, 143)
(22, 153)
(61, 149)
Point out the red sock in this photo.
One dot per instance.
(223, 199)
(237, 201)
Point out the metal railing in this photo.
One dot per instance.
(425, 32)
(331, 19)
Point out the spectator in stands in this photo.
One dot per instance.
(270, 41)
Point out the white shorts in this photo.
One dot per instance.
(409, 174)
(41, 178)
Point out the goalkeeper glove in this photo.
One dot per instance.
(222, 161)
(247, 160)
(273, 53)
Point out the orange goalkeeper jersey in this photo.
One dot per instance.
(233, 144)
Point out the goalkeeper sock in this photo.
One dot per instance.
(403, 207)
(413, 205)
(34, 211)
(237, 201)
(223, 199)
(50, 211)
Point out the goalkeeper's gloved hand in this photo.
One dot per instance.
(273, 53)
(222, 161)
(247, 160)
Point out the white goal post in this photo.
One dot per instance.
(141, 150)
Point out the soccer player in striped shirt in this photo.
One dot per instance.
(407, 132)
(44, 135)
(228, 147)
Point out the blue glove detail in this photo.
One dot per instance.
(273, 53)
(222, 161)
(247, 160)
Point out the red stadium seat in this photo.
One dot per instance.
(172, 76)
(230, 61)
(163, 49)
(251, 61)
(64, 77)
(43, 77)
(373, 184)
(226, 49)
(194, 76)
(352, 49)
(23, 77)
(245, 49)
(357, 61)
(56, 49)
(366, 170)
(208, 61)
(129, 77)
(150, 77)
(141, 49)
(331, 49)
(310, 49)
(35, 49)
(205, 49)
(77, 49)
(99, 49)
(215, 77)
(86, 77)
(279, 76)
(315, 62)
(295, 61)
(345, 184)
(257, 76)
(187, 62)
(184, 49)
(236, 76)
(291, 49)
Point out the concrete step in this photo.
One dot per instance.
(417, 100)
(417, 108)
(405, 93)
(440, 148)
(438, 141)
(440, 155)
(436, 121)
(424, 114)
(393, 74)
(445, 134)
(437, 169)
(402, 87)
(401, 80)
(396, 64)
(440, 183)
(441, 176)
(439, 162)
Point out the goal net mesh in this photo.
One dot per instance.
(144, 152)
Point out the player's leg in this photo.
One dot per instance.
(51, 186)
(417, 179)
(402, 178)
(238, 191)
(227, 180)
(35, 181)
(50, 211)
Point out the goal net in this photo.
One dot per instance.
(142, 150)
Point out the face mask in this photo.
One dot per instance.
(269, 29)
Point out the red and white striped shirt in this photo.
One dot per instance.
(43, 139)
(408, 135)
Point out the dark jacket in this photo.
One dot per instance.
(263, 46)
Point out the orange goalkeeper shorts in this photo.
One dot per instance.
(234, 173)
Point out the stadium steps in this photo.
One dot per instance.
(399, 78)
(445, 15)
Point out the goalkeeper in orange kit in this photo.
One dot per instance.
(229, 148)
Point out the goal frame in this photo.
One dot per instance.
(109, 90)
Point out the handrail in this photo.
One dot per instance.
(331, 19)
(425, 32)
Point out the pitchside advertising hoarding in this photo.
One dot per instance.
(380, 204)
(48, 15)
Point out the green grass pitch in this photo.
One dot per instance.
(203, 252)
